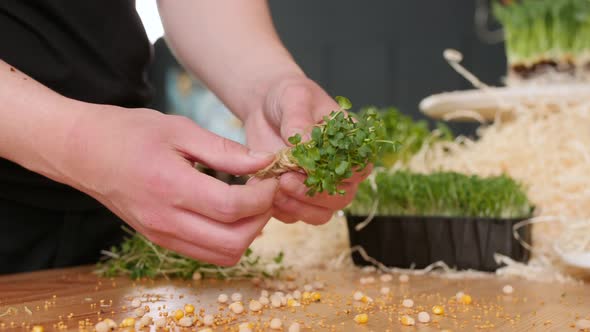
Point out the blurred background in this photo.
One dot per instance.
(388, 53)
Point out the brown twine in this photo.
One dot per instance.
(282, 163)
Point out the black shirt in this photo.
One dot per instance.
(91, 50)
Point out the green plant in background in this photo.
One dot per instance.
(137, 257)
(441, 194)
(412, 135)
(339, 146)
(545, 30)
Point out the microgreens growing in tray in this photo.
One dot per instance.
(445, 194)
(545, 32)
(339, 146)
(137, 257)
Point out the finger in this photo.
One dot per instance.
(359, 176)
(293, 185)
(195, 252)
(202, 194)
(308, 213)
(223, 239)
(217, 152)
(283, 216)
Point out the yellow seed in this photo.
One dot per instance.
(128, 322)
(292, 303)
(189, 308)
(438, 310)
(38, 328)
(315, 296)
(466, 299)
(407, 320)
(361, 318)
(178, 314)
(366, 299)
(306, 295)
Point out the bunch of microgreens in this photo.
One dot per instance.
(446, 194)
(342, 144)
(541, 30)
(137, 257)
(411, 134)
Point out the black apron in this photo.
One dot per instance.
(94, 51)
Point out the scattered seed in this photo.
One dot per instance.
(408, 303)
(236, 297)
(264, 300)
(358, 295)
(128, 322)
(384, 290)
(507, 289)
(438, 310)
(186, 321)
(139, 312)
(423, 317)
(208, 320)
(189, 308)
(236, 307)
(222, 298)
(178, 314)
(386, 277)
(160, 322)
(404, 278)
(255, 306)
(294, 327)
(407, 320)
(38, 328)
(136, 303)
(276, 324)
(361, 318)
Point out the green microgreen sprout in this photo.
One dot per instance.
(447, 194)
(538, 31)
(413, 135)
(137, 257)
(339, 146)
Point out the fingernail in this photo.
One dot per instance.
(260, 154)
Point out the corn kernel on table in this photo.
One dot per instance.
(75, 300)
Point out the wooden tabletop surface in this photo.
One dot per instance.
(75, 299)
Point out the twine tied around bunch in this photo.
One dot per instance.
(282, 163)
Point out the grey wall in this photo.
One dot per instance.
(386, 52)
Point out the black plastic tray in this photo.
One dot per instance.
(462, 243)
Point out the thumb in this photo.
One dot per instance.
(301, 106)
(295, 107)
(220, 153)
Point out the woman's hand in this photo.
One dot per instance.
(293, 104)
(140, 164)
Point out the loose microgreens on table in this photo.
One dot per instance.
(339, 146)
(137, 257)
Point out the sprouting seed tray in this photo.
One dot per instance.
(418, 241)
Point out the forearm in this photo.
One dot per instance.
(34, 123)
(230, 45)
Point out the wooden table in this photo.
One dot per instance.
(74, 298)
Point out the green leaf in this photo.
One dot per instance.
(343, 102)
(316, 134)
(342, 168)
(295, 139)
